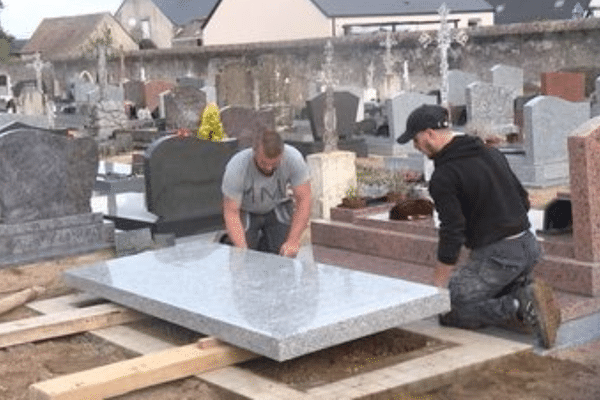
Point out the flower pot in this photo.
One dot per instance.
(354, 202)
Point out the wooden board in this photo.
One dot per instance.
(152, 369)
(64, 323)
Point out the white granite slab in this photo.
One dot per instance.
(278, 307)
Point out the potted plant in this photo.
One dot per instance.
(352, 199)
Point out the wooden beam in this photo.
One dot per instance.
(65, 323)
(125, 376)
(17, 299)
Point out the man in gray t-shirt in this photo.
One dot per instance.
(266, 196)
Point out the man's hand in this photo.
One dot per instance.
(289, 249)
(442, 274)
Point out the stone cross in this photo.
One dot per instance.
(330, 136)
(388, 60)
(406, 77)
(578, 12)
(370, 75)
(444, 40)
(38, 65)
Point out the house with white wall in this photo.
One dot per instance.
(248, 21)
(164, 23)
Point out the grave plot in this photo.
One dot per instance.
(426, 356)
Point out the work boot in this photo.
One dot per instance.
(539, 310)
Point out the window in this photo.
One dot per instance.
(3, 80)
(145, 24)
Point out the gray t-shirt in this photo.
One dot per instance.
(256, 193)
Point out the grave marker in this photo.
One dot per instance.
(566, 85)
(183, 107)
(505, 75)
(243, 123)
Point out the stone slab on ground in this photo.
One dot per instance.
(278, 307)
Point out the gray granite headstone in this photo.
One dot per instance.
(275, 306)
(595, 106)
(44, 175)
(457, 84)
(183, 107)
(189, 81)
(80, 89)
(491, 107)
(346, 109)
(243, 123)
(505, 75)
(183, 177)
(46, 183)
(547, 122)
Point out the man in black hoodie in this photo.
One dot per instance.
(482, 205)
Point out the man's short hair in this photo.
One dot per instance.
(271, 143)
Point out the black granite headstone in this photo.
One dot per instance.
(346, 108)
(183, 178)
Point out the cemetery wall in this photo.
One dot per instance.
(289, 72)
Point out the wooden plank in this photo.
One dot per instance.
(61, 303)
(65, 323)
(125, 376)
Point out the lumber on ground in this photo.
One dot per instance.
(148, 370)
(65, 323)
(21, 297)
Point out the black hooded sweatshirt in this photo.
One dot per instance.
(477, 196)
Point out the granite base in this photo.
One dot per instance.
(42, 239)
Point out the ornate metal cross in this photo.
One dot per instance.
(444, 40)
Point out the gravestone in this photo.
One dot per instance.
(183, 107)
(505, 75)
(243, 123)
(547, 122)
(566, 85)
(189, 81)
(46, 183)
(584, 164)
(183, 183)
(491, 108)
(108, 116)
(80, 89)
(398, 109)
(346, 110)
(275, 306)
(134, 91)
(211, 94)
(595, 105)
(152, 90)
(31, 101)
(457, 84)
(111, 93)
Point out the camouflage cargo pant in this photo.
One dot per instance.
(482, 291)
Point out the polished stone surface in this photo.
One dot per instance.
(279, 307)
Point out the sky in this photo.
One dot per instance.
(20, 18)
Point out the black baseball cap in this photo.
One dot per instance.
(427, 116)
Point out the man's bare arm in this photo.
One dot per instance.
(300, 220)
(233, 222)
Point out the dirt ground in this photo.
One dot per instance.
(565, 374)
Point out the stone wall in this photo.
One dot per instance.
(288, 72)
